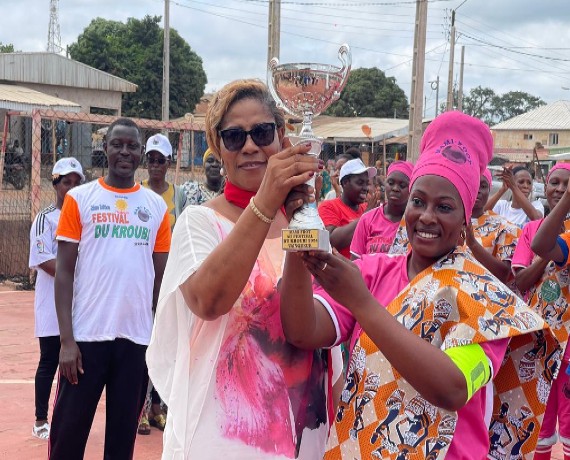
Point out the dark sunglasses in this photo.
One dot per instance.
(234, 138)
(159, 161)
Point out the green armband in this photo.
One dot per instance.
(473, 363)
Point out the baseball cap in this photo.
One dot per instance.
(356, 166)
(159, 143)
(67, 166)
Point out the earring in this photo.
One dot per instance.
(463, 236)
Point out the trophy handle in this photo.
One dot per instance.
(271, 85)
(345, 56)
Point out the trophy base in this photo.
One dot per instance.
(297, 239)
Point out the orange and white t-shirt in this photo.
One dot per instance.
(117, 230)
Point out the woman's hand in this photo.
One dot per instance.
(338, 276)
(298, 196)
(508, 179)
(470, 239)
(373, 199)
(285, 170)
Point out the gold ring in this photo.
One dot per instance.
(324, 266)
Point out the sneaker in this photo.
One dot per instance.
(41, 432)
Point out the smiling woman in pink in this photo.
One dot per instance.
(429, 329)
(377, 228)
(235, 388)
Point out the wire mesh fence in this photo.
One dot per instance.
(32, 142)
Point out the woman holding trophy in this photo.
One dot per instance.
(428, 330)
(235, 388)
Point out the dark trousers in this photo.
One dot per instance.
(119, 367)
(49, 360)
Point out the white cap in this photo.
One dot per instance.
(356, 166)
(159, 143)
(67, 166)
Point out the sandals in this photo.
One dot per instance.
(144, 426)
(158, 421)
(41, 432)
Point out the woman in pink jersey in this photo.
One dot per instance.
(542, 273)
(376, 229)
(418, 376)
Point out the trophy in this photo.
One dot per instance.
(305, 90)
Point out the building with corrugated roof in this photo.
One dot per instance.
(545, 130)
(93, 90)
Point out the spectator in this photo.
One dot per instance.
(66, 174)
(341, 215)
(158, 156)
(376, 229)
(521, 210)
(114, 237)
(336, 190)
(199, 192)
(234, 387)
(551, 298)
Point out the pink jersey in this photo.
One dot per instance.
(386, 275)
(374, 233)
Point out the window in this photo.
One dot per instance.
(553, 139)
(528, 137)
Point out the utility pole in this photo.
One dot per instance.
(451, 57)
(460, 92)
(273, 30)
(166, 64)
(417, 91)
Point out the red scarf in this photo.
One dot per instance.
(240, 197)
(236, 195)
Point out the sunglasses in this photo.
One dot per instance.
(159, 161)
(234, 138)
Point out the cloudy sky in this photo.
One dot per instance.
(509, 44)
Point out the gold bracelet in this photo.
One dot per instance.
(262, 217)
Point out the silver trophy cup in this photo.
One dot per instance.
(305, 90)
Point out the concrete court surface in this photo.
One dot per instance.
(19, 354)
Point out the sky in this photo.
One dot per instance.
(510, 45)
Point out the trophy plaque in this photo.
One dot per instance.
(304, 90)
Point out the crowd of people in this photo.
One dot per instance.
(435, 327)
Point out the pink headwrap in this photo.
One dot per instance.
(458, 148)
(487, 175)
(405, 167)
(555, 167)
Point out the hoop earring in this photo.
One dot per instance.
(463, 236)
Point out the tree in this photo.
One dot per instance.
(369, 93)
(492, 108)
(516, 103)
(134, 51)
(7, 48)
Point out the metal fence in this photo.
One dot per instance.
(32, 142)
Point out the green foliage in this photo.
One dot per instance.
(493, 108)
(369, 93)
(7, 48)
(134, 51)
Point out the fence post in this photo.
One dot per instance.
(35, 189)
(178, 156)
(3, 149)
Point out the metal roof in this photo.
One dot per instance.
(555, 116)
(349, 129)
(54, 69)
(13, 97)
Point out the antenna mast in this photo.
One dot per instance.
(54, 36)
